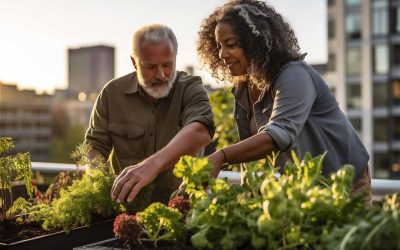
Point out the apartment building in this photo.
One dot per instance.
(364, 68)
(26, 117)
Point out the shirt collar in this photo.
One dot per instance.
(132, 87)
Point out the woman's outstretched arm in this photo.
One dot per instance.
(251, 149)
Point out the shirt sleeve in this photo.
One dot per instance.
(295, 94)
(196, 105)
(97, 134)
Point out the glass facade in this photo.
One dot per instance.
(352, 3)
(395, 19)
(396, 92)
(357, 124)
(396, 128)
(381, 163)
(381, 59)
(380, 18)
(380, 95)
(353, 25)
(331, 28)
(353, 61)
(381, 128)
(353, 96)
(331, 63)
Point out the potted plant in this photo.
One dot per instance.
(81, 214)
(299, 210)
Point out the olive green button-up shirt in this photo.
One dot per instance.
(126, 128)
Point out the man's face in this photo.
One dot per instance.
(155, 68)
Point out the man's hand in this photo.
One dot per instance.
(132, 179)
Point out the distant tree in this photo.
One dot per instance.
(62, 146)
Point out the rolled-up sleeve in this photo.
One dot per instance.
(97, 134)
(196, 106)
(295, 94)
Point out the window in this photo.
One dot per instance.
(381, 59)
(395, 20)
(380, 95)
(356, 122)
(331, 63)
(353, 61)
(381, 129)
(351, 3)
(396, 92)
(396, 55)
(380, 18)
(353, 92)
(396, 128)
(381, 165)
(331, 28)
(353, 25)
(396, 164)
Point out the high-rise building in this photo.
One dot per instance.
(364, 67)
(26, 118)
(89, 68)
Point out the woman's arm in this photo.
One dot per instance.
(251, 149)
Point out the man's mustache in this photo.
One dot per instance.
(159, 82)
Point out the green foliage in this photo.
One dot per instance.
(290, 212)
(195, 173)
(78, 204)
(63, 144)
(222, 106)
(12, 168)
(84, 199)
(141, 201)
(160, 222)
(379, 229)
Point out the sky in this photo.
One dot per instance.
(35, 34)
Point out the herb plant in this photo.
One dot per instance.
(12, 168)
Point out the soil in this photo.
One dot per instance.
(12, 231)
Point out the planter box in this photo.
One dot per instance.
(63, 241)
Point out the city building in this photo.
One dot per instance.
(26, 118)
(364, 70)
(89, 68)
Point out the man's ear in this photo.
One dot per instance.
(133, 62)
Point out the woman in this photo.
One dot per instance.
(281, 103)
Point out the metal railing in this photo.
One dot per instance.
(380, 187)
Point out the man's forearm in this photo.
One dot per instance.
(188, 141)
(95, 154)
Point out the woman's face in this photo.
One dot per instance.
(229, 49)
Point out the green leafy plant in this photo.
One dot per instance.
(12, 168)
(378, 229)
(159, 222)
(83, 200)
(87, 198)
(289, 212)
(222, 106)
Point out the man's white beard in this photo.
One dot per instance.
(157, 91)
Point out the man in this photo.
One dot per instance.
(145, 121)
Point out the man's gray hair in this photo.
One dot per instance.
(152, 33)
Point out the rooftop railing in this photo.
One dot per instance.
(380, 187)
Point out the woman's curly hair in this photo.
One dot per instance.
(266, 38)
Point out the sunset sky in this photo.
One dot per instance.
(35, 34)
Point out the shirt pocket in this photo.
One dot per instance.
(128, 141)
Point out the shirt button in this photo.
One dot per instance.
(151, 134)
(153, 111)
